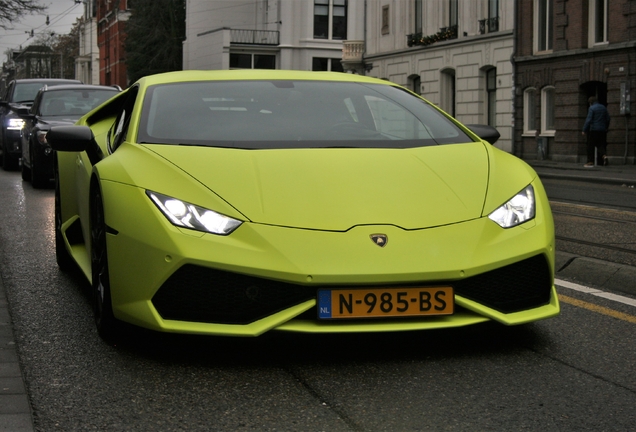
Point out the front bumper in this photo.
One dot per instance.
(262, 278)
(13, 142)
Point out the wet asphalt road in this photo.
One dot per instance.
(575, 372)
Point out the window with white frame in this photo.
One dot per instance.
(418, 16)
(330, 19)
(447, 91)
(598, 22)
(326, 64)
(547, 111)
(453, 13)
(252, 61)
(544, 24)
(493, 16)
(529, 111)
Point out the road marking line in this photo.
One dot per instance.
(595, 292)
(599, 309)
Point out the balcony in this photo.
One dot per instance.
(491, 24)
(254, 37)
(445, 33)
(352, 50)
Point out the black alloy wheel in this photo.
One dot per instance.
(64, 260)
(105, 321)
(38, 180)
(26, 172)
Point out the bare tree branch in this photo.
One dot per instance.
(13, 10)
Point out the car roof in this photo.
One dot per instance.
(45, 80)
(78, 87)
(255, 74)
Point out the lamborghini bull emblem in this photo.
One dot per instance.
(379, 239)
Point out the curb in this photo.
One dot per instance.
(596, 273)
(605, 180)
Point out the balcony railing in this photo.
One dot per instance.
(254, 37)
(492, 24)
(352, 50)
(445, 33)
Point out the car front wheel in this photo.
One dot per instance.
(64, 260)
(107, 324)
(38, 180)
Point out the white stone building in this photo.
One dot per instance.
(87, 62)
(455, 53)
(270, 34)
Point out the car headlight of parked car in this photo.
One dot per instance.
(15, 124)
(186, 215)
(517, 210)
(41, 136)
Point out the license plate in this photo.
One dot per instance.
(385, 302)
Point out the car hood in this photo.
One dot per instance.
(337, 189)
(58, 120)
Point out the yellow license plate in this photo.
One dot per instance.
(385, 302)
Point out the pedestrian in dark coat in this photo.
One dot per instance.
(595, 127)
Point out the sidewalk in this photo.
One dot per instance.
(588, 271)
(612, 174)
(15, 411)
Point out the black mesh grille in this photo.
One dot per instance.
(201, 294)
(519, 286)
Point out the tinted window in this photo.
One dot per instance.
(73, 102)
(283, 114)
(25, 92)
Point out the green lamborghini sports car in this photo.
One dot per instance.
(238, 202)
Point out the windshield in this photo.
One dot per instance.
(73, 102)
(26, 92)
(287, 114)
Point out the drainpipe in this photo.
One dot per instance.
(364, 51)
(514, 70)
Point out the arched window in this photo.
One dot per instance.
(529, 111)
(547, 111)
(415, 84)
(447, 91)
(491, 97)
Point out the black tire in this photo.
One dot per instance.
(9, 162)
(64, 260)
(26, 172)
(105, 321)
(38, 180)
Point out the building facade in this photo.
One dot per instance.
(457, 54)
(567, 51)
(87, 62)
(111, 35)
(270, 34)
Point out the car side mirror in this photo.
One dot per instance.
(23, 112)
(75, 139)
(485, 132)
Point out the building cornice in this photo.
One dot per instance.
(463, 41)
(576, 52)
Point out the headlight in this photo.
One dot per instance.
(518, 210)
(41, 136)
(15, 124)
(187, 215)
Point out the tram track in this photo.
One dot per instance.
(574, 233)
(597, 245)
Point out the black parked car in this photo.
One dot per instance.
(19, 94)
(59, 105)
